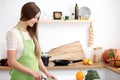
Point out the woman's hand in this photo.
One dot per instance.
(37, 76)
(49, 75)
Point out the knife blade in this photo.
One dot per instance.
(44, 78)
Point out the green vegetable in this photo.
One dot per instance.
(91, 75)
(112, 55)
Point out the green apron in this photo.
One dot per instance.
(28, 59)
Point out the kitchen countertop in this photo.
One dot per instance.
(74, 66)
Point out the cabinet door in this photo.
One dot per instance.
(4, 75)
(110, 75)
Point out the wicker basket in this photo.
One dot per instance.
(115, 63)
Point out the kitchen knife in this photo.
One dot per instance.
(44, 78)
(74, 61)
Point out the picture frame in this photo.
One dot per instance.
(57, 15)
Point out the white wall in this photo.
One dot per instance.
(104, 12)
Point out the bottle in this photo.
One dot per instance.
(76, 11)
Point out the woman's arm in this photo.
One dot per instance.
(11, 55)
(44, 69)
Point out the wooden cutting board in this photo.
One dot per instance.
(71, 51)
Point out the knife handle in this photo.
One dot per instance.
(74, 61)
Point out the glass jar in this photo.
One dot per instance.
(97, 54)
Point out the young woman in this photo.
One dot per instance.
(23, 49)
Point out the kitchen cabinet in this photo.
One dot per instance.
(69, 74)
(4, 75)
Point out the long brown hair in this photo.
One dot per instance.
(28, 11)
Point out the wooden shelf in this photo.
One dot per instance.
(65, 21)
(78, 65)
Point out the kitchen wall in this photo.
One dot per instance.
(105, 14)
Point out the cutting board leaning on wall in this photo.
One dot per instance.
(71, 51)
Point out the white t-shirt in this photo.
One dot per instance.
(14, 41)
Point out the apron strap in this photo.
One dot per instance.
(20, 30)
